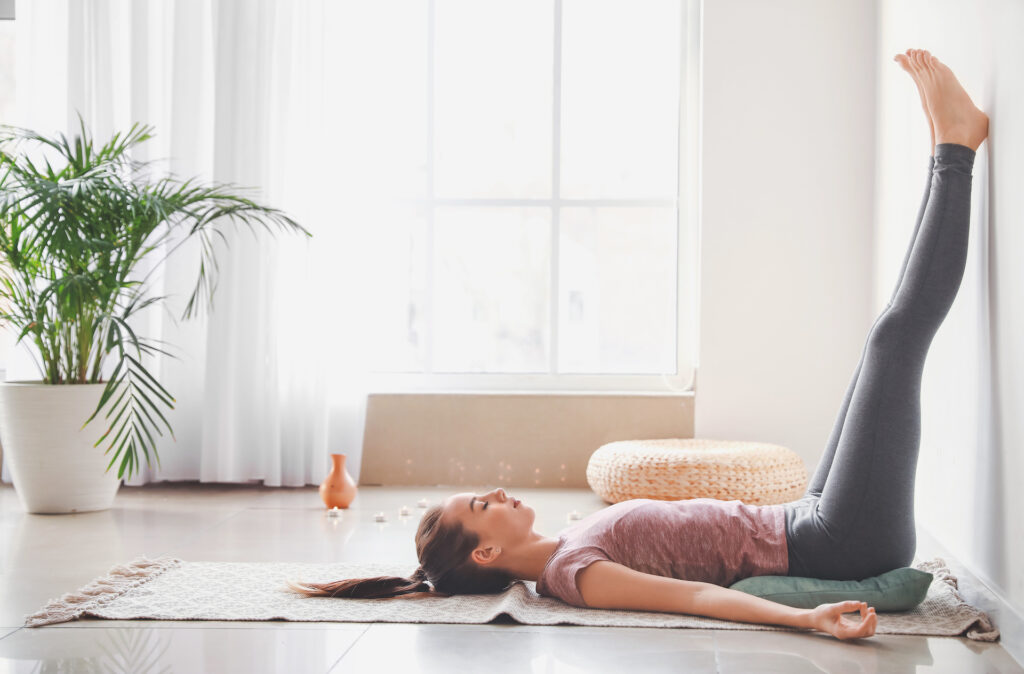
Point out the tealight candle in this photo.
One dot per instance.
(334, 512)
(574, 515)
(403, 511)
(381, 517)
(422, 503)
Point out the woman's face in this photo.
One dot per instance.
(501, 521)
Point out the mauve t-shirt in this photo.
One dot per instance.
(701, 539)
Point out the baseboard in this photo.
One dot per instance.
(977, 590)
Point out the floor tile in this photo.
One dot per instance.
(175, 650)
(448, 648)
(740, 652)
(124, 533)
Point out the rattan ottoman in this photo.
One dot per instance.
(672, 469)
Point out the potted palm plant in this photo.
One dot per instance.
(75, 220)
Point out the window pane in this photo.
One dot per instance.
(620, 98)
(378, 97)
(617, 290)
(396, 287)
(491, 289)
(493, 99)
(7, 52)
(380, 250)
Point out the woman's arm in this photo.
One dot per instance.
(606, 584)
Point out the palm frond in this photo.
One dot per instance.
(76, 218)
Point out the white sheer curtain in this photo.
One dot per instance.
(270, 381)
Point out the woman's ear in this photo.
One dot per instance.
(486, 555)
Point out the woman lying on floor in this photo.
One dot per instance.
(856, 519)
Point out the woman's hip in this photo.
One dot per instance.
(845, 550)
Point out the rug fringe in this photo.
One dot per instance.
(118, 580)
(982, 628)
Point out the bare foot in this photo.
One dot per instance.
(956, 118)
(905, 62)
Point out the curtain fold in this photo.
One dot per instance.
(266, 385)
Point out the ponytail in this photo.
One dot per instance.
(444, 548)
(379, 587)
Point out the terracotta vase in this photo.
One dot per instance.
(338, 488)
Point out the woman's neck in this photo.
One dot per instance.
(531, 557)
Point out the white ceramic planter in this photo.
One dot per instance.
(53, 463)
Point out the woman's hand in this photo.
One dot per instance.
(829, 618)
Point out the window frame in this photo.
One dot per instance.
(687, 208)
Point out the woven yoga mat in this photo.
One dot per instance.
(172, 589)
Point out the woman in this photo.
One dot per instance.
(854, 521)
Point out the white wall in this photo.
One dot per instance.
(972, 446)
(815, 149)
(787, 200)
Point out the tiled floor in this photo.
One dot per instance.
(41, 557)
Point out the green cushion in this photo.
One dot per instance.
(897, 590)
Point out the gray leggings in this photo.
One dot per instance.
(856, 518)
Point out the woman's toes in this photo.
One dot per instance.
(916, 56)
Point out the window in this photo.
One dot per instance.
(524, 173)
(7, 53)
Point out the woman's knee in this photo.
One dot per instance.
(898, 329)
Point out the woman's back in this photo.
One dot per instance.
(700, 539)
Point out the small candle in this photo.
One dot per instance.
(403, 511)
(381, 517)
(574, 515)
(422, 503)
(333, 512)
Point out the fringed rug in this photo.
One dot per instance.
(172, 589)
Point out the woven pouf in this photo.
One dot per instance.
(672, 469)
